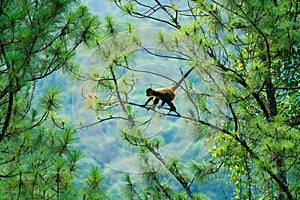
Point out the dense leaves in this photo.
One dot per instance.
(251, 49)
(37, 39)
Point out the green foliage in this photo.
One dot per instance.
(94, 178)
(129, 188)
(246, 54)
(38, 38)
(262, 145)
(50, 101)
(93, 190)
(25, 158)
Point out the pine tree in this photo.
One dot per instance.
(246, 54)
(39, 38)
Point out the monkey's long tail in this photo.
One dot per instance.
(182, 79)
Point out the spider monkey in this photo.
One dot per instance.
(165, 95)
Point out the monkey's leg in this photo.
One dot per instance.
(165, 97)
(156, 100)
(172, 108)
(162, 104)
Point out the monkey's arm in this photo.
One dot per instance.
(156, 100)
(149, 99)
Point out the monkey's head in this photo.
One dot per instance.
(149, 92)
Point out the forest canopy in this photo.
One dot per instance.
(237, 131)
